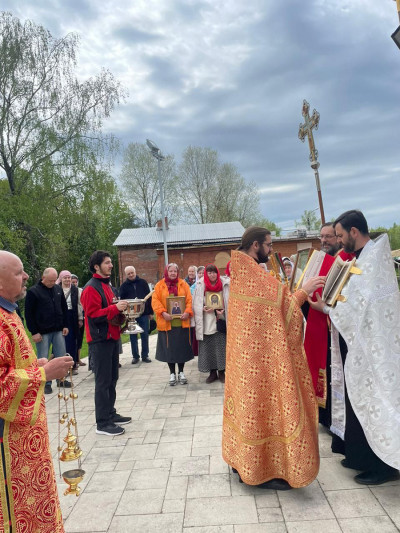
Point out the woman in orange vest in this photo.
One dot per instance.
(173, 342)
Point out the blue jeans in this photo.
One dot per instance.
(144, 323)
(56, 340)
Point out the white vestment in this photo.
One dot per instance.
(369, 322)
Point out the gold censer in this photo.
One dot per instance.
(72, 450)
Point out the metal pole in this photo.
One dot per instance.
(164, 230)
(315, 166)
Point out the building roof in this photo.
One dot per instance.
(176, 235)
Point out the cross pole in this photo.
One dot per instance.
(305, 130)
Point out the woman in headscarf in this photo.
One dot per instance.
(173, 342)
(75, 316)
(212, 340)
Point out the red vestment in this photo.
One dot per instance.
(270, 412)
(316, 336)
(27, 473)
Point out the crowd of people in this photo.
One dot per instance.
(272, 347)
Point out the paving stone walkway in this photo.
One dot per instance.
(166, 473)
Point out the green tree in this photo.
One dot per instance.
(50, 125)
(309, 220)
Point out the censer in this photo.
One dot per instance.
(72, 451)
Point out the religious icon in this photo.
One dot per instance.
(176, 305)
(301, 262)
(214, 300)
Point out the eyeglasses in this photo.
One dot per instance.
(327, 237)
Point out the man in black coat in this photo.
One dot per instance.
(135, 287)
(46, 315)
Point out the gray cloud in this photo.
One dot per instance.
(232, 76)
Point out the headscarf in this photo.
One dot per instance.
(288, 262)
(172, 284)
(201, 268)
(208, 286)
(228, 269)
(62, 274)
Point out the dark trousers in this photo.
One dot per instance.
(71, 340)
(144, 323)
(105, 358)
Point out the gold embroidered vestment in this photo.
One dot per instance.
(270, 411)
(26, 474)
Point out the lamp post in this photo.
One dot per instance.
(156, 152)
(396, 34)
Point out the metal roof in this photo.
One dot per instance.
(189, 234)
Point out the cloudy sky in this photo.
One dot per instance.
(232, 75)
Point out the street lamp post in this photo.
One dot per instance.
(396, 34)
(156, 152)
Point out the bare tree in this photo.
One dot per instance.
(139, 179)
(216, 192)
(198, 174)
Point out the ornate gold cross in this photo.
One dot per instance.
(305, 130)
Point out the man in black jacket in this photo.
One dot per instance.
(135, 287)
(46, 315)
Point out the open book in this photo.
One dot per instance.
(312, 267)
(337, 276)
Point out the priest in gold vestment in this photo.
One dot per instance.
(28, 492)
(270, 421)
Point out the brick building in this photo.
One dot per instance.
(193, 244)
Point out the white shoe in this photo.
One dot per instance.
(182, 379)
(172, 380)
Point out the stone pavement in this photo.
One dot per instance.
(166, 474)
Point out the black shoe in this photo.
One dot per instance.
(110, 430)
(234, 470)
(275, 484)
(345, 463)
(377, 478)
(121, 420)
(146, 360)
(48, 389)
(135, 360)
(64, 383)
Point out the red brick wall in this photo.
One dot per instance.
(149, 262)
(144, 260)
(185, 257)
(290, 247)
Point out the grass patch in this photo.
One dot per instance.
(85, 348)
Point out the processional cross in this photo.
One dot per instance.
(305, 130)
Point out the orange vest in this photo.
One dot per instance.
(159, 303)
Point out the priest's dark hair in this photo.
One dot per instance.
(97, 258)
(253, 233)
(353, 219)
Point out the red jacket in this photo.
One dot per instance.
(97, 318)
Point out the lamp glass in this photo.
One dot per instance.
(396, 36)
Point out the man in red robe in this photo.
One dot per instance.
(28, 491)
(270, 413)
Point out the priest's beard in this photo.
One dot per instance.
(261, 257)
(350, 245)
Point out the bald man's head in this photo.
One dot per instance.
(130, 273)
(49, 277)
(12, 277)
